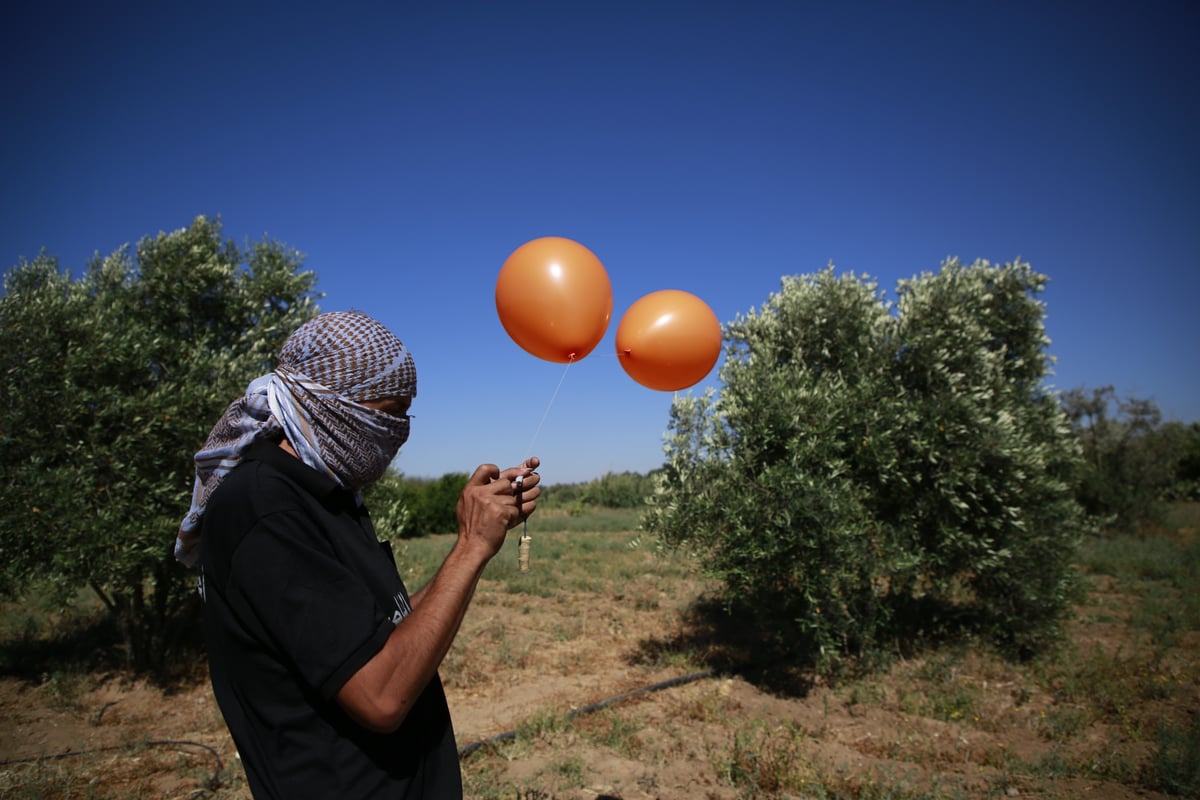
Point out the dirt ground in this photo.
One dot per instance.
(964, 724)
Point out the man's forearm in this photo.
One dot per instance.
(380, 695)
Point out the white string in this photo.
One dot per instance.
(549, 405)
(523, 542)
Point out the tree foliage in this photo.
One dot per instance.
(610, 490)
(111, 382)
(390, 512)
(409, 507)
(1133, 461)
(869, 470)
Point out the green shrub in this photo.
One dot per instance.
(389, 505)
(1132, 460)
(1176, 766)
(112, 381)
(610, 490)
(406, 507)
(868, 472)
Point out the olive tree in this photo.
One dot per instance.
(871, 470)
(111, 382)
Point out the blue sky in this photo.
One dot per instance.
(408, 148)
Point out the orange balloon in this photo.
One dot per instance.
(554, 299)
(668, 340)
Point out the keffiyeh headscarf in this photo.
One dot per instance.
(327, 369)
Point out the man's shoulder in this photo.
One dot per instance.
(255, 475)
(253, 491)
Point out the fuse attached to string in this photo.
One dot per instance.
(523, 542)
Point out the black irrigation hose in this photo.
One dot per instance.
(211, 784)
(467, 749)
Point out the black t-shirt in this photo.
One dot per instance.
(299, 594)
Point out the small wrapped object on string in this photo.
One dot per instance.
(523, 550)
(523, 542)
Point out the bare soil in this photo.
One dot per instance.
(951, 724)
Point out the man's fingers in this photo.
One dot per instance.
(484, 474)
(518, 481)
(528, 478)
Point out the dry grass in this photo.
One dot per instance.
(1110, 714)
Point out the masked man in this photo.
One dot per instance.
(325, 668)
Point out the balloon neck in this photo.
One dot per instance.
(570, 357)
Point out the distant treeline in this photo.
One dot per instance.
(1133, 462)
(404, 507)
(611, 490)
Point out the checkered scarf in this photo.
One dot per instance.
(327, 368)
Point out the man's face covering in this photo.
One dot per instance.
(327, 369)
